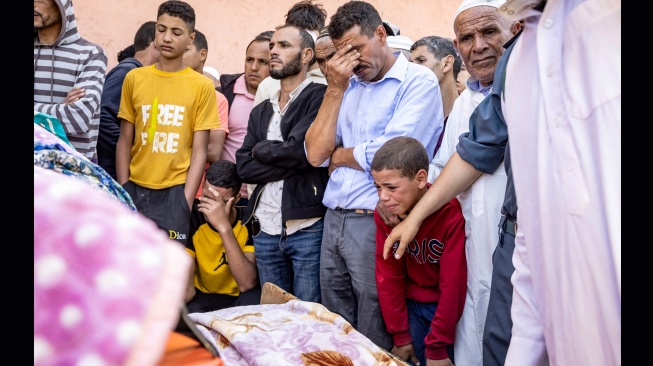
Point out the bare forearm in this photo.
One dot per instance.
(122, 162)
(457, 175)
(242, 268)
(216, 144)
(194, 176)
(321, 135)
(197, 165)
(123, 151)
(344, 156)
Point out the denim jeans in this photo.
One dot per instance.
(420, 317)
(291, 262)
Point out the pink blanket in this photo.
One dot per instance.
(108, 283)
(295, 333)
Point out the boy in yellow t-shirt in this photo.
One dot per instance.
(224, 268)
(166, 112)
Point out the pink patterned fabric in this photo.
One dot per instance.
(295, 333)
(48, 138)
(108, 284)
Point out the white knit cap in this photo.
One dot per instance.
(400, 42)
(212, 71)
(466, 4)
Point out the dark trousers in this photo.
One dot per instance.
(167, 207)
(347, 277)
(202, 302)
(420, 317)
(498, 323)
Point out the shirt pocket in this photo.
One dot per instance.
(584, 90)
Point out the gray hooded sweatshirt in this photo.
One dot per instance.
(71, 61)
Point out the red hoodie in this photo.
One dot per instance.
(433, 269)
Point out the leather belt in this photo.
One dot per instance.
(508, 225)
(356, 210)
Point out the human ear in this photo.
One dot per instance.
(308, 55)
(447, 63)
(380, 32)
(515, 27)
(191, 39)
(421, 178)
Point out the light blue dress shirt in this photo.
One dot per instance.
(405, 102)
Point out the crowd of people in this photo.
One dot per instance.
(457, 201)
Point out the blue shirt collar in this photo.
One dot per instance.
(475, 85)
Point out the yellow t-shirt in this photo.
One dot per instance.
(212, 273)
(185, 101)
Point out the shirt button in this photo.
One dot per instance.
(510, 12)
(359, 113)
(548, 24)
(368, 89)
(549, 71)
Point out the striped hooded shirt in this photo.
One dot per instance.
(71, 61)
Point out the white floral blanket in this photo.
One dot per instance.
(294, 333)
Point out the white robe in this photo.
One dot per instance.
(562, 105)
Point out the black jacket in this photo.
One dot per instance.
(304, 185)
(226, 87)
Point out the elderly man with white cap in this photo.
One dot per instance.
(481, 33)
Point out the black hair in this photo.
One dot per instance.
(129, 51)
(351, 14)
(144, 35)
(261, 37)
(307, 15)
(200, 41)
(441, 47)
(179, 9)
(305, 40)
(223, 174)
(402, 153)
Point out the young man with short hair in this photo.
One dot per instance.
(145, 54)
(240, 89)
(311, 17)
(287, 200)
(421, 294)
(167, 110)
(195, 57)
(440, 56)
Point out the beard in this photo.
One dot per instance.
(293, 67)
(46, 21)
